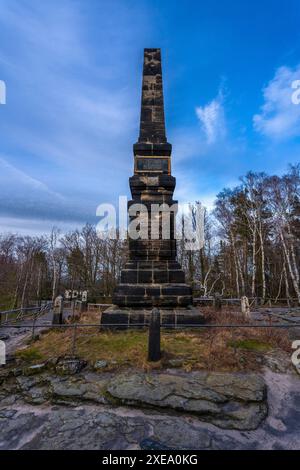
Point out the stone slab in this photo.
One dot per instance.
(122, 318)
(232, 401)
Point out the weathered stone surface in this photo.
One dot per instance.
(36, 369)
(107, 427)
(70, 366)
(150, 444)
(90, 428)
(227, 400)
(4, 337)
(74, 391)
(176, 362)
(87, 423)
(232, 401)
(34, 389)
(100, 364)
(278, 361)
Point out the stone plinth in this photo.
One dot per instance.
(123, 318)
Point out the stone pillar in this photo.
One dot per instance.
(152, 274)
(58, 310)
(83, 305)
(245, 307)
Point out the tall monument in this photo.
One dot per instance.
(152, 276)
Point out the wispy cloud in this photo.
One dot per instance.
(28, 198)
(72, 111)
(279, 117)
(10, 174)
(212, 119)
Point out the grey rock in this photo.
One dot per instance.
(176, 362)
(16, 427)
(35, 369)
(235, 401)
(90, 428)
(83, 429)
(4, 337)
(150, 444)
(101, 364)
(34, 388)
(70, 366)
(7, 413)
(73, 390)
(169, 433)
(277, 361)
(297, 368)
(90, 425)
(232, 401)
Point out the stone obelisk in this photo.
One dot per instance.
(152, 276)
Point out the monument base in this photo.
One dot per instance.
(124, 317)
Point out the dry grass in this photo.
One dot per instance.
(210, 349)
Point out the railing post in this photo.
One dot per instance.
(74, 340)
(33, 325)
(217, 301)
(154, 353)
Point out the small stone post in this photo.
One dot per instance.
(245, 307)
(58, 310)
(154, 353)
(83, 305)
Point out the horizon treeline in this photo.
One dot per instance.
(252, 247)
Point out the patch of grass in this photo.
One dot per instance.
(250, 344)
(212, 349)
(122, 349)
(30, 354)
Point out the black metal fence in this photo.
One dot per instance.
(34, 320)
(80, 330)
(9, 317)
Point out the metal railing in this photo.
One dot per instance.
(97, 307)
(8, 317)
(255, 301)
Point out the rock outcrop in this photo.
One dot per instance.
(230, 401)
(158, 411)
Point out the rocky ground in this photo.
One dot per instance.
(67, 406)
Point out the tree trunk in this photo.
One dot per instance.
(286, 281)
(54, 283)
(295, 266)
(235, 265)
(253, 263)
(263, 274)
(287, 257)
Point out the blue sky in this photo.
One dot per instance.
(72, 70)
